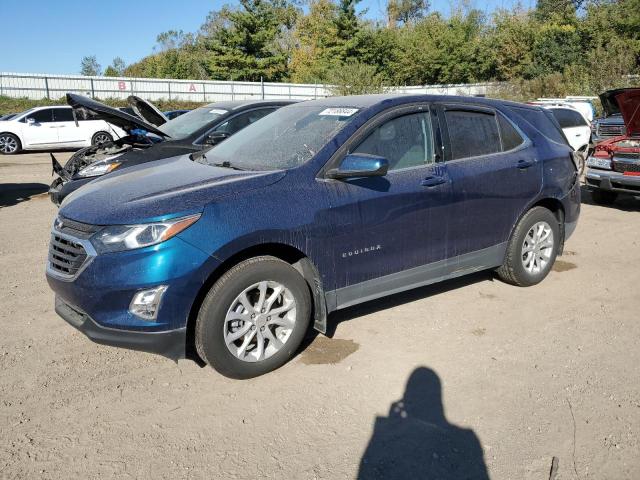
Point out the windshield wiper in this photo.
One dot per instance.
(227, 164)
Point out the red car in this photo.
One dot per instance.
(614, 167)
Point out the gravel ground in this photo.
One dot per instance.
(501, 377)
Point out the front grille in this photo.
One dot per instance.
(65, 256)
(622, 167)
(610, 130)
(75, 229)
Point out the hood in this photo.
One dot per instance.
(87, 108)
(609, 102)
(629, 105)
(147, 110)
(156, 190)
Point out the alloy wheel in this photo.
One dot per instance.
(8, 144)
(259, 321)
(101, 138)
(537, 248)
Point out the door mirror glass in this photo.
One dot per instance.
(215, 137)
(360, 165)
(31, 121)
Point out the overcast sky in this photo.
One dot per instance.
(50, 36)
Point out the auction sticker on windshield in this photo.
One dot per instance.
(338, 112)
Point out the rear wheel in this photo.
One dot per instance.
(100, 138)
(532, 249)
(9, 144)
(254, 318)
(603, 197)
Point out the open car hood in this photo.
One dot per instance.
(629, 105)
(609, 103)
(87, 108)
(147, 110)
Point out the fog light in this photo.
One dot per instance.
(146, 303)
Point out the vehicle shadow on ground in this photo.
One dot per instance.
(626, 203)
(416, 440)
(13, 193)
(398, 299)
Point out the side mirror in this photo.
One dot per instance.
(360, 165)
(215, 137)
(31, 121)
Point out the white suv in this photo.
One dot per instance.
(45, 128)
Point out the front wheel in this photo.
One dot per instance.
(254, 318)
(9, 144)
(532, 249)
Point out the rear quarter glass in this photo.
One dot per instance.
(542, 121)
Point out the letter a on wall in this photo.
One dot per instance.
(192, 88)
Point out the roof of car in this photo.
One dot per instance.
(238, 104)
(364, 101)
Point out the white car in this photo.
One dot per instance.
(574, 124)
(45, 128)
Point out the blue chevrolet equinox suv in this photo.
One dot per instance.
(227, 256)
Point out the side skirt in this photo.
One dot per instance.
(435, 272)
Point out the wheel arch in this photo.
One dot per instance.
(554, 206)
(15, 134)
(288, 253)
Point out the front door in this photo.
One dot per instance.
(42, 131)
(387, 225)
(69, 134)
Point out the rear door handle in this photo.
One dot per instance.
(522, 164)
(432, 181)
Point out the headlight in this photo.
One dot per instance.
(97, 169)
(128, 237)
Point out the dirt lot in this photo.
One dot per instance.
(505, 378)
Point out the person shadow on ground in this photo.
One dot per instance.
(417, 442)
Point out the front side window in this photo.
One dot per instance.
(242, 120)
(287, 138)
(405, 141)
(472, 133)
(62, 115)
(42, 116)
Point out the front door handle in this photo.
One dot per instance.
(522, 164)
(432, 181)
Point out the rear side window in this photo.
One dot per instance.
(539, 120)
(472, 133)
(568, 118)
(62, 115)
(510, 137)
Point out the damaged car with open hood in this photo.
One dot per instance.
(153, 138)
(614, 167)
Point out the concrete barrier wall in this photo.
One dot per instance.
(39, 86)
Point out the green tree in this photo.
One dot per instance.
(355, 78)
(405, 11)
(116, 69)
(89, 66)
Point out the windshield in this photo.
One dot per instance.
(184, 125)
(287, 138)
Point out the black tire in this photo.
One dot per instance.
(603, 197)
(100, 138)
(512, 270)
(210, 323)
(9, 144)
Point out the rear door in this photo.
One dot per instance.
(43, 131)
(494, 174)
(389, 225)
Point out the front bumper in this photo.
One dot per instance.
(170, 343)
(612, 181)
